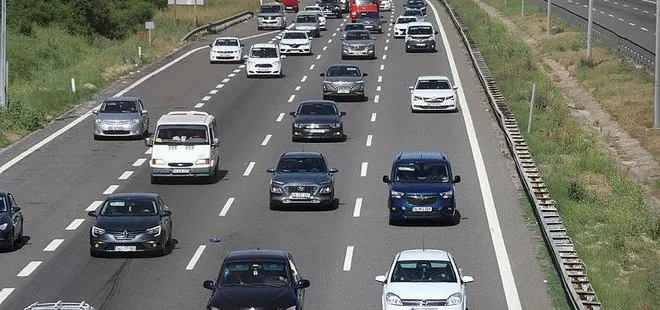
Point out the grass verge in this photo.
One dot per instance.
(42, 65)
(614, 231)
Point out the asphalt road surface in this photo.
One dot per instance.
(339, 251)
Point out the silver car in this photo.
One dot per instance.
(309, 22)
(271, 15)
(343, 81)
(121, 117)
(358, 43)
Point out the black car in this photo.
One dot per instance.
(371, 21)
(302, 178)
(131, 222)
(257, 279)
(331, 7)
(343, 80)
(416, 4)
(317, 119)
(11, 221)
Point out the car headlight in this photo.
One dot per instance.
(203, 161)
(135, 120)
(4, 226)
(395, 194)
(156, 161)
(335, 125)
(277, 63)
(326, 190)
(455, 299)
(447, 194)
(392, 299)
(450, 98)
(417, 98)
(275, 190)
(156, 230)
(99, 121)
(298, 125)
(97, 231)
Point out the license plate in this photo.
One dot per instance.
(343, 91)
(180, 170)
(116, 128)
(121, 248)
(300, 195)
(422, 209)
(421, 44)
(316, 130)
(424, 309)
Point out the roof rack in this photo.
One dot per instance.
(200, 113)
(60, 305)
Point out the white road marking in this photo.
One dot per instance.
(348, 258)
(139, 162)
(149, 151)
(363, 169)
(386, 48)
(312, 67)
(325, 48)
(29, 269)
(199, 105)
(376, 98)
(601, 12)
(225, 80)
(501, 255)
(384, 57)
(304, 78)
(387, 40)
(266, 139)
(291, 98)
(249, 169)
(52, 246)
(620, 19)
(382, 67)
(380, 79)
(220, 86)
(237, 70)
(111, 189)
(334, 34)
(231, 75)
(631, 24)
(241, 66)
(373, 117)
(358, 207)
(338, 29)
(610, 15)
(318, 57)
(280, 117)
(625, 5)
(206, 98)
(584, 5)
(646, 11)
(74, 224)
(94, 205)
(644, 29)
(195, 257)
(636, 9)
(4, 293)
(213, 92)
(227, 205)
(125, 175)
(388, 34)
(378, 88)
(329, 40)
(369, 138)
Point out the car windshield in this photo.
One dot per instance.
(420, 30)
(433, 84)
(3, 205)
(295, 35)
(268, 52)
(184, 134)
(365, 2)
(423, 271)
(317, 109)
(119, 107)
(129, 207)
(354, 26)
(255, 273)
(370, 15)
(413, 13)
(415, 3)
(405, 20)
(313, 9)
(297, 165)
(343, 71)
(306, 19)
(226, 42)
(422, 172)
(329, 1)
(358, 35)
(270, 9)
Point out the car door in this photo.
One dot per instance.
(214, 133)
(16, 216)
(296, 277)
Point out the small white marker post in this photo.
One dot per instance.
(149, 26)
(73, 85)
(139, 51)
(531, 109)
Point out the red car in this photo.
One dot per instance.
(357, 6)
(291, 5)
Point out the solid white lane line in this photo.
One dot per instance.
(298, 87)
(376, 98)
(237, 70)
(4, 293)
(329, 40)
(139, 162)
(227, 205)
(363, 169)
(386, 48)
(369, 138)
(280, 117)
(378, 88)
(380, 78)
(358, 207)
(220, 86)
(266, 139)
(206, 98)
(291, 98)
(199, 105)
(225, 80)
(348, 258)
(644, 29)
(249, 169)
(373, 117)
(304, 78)
(94, 205)
(325, 48)
(29, 269)
(312, 67)
(52, 246)
(111, 189)
(195, 257)
(501, 255)
(384, 57)
(382, 67)
(213, 91)
(74, 224)
(231, 75)
(318, 57)
(125, 175)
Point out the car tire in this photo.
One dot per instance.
(20, 234)
(343, 57)
(296, 10)
(211, 178)
(407, 50)
(363, 98)
(273, 207)
(154, 180)
(97, 137)
(93, 253)
(259, 28)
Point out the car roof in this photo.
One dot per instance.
(420, 24)
(264, 45)
(317, 101)
(271, 4)
(294, 31)
(432, 77)
(302, 154)
(423, 254)
(411, 156)
(133, 195)
(313, 7)
(266, 254)
(185, 118)
(344, 65)
(112, 99)
(220, 38)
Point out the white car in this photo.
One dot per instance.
(226, 49)
(295, 42)
(424, 279)
(264, 59)
(385, 5)
(433, 93)
(319, 11)
(401, 24)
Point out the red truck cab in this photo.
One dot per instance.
(357, 6)
(292, 5)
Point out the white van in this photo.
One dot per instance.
(420, 36)
(184, 144)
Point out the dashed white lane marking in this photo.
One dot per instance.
(111, 189)
(74, 224)
(387, 40)
(195, 257)
(373, 117)
(584, 5)
(241, 66)
(206, 98)
(369, 138)
(334, 34)
(382, 67)
(220, 86)
(318, 57)
(386, 48)
(631, 24)
(266, 139)
(94, 205)
(53, 245)
(125, 175)
(304, 78)
(312, 67)
(227, 205)
(378, 88)
(636, 9)
(601, 12)
(384, 57)
(291, 98)
(237, 70)
(376, 98)
(298, 87)
(231, 75)
(380, 79)
(225, 80)
(4, 293)
(625, 5)
(280, 117)
(329, 40)
(249, 169)
(199, 105)
(213, 92)
(388, 34)
(338, 29)
(363, 169)
(348, 259)
(29, 269)
(646, 11)
(139, 162)
(644, 29)
(610, 15)
(620, 19)
(325, 48)
(358, 207)
(149, 151)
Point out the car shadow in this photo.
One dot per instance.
(344, 138)
(311, 208)
(18, 245)
(221, 176)
(432, 223)
(435, 112)
(348, 99)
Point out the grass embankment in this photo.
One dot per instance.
(42, 65)
(614, 231)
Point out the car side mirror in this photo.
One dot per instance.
(322, 74)
(457, 179)
(148, 142)
(454, 87)
(386, 179)
(411, 87)
(467, 279)
(167, 212)
(333, 170)
(403, 4)
(365, 74)
(302, 284)
(342, 113)
(144, 112)
(292, 113)
(381, 279)
(16, 209)
(436, 32)
(216, 142)
(211, 45)
(242, 44)
(95, 112)
(282, 56)
(270, 170)
(208, 284)
(92, 213)
(341, 39)
(245, 57)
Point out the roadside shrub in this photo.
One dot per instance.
(18, 116)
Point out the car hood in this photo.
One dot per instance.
(270, 14)
(343, 79)
(421, 188)
(117, 116)
(420, 36)
(317, 119)
(400, 26)
(263, 60)
(225, 48)
(131, 223)
(433, 92)
(423, 291)
(242, 297)
(295, 41)
(302, 178)
(305, 25)
(359, 42)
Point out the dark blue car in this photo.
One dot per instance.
(422, 188)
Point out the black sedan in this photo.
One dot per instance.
(257, 279)
(371, 20)
(330, 7)
(302, 178)
(343, 81)
(317, 119)
(11, 221)
(131, 222)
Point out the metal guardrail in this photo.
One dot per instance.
(220, 25)
(573, 271)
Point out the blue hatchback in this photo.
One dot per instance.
(422, 188)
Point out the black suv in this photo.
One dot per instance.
(331, 7)
(416, 4)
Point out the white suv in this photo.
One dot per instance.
(264, 59)
(420, 36)
(226, 49)
(295, 42)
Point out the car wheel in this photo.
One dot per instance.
(457, 218)
(363, 98)
(93, 253)
(343, 57)
(97, 137)
(20, 234)
(162, 251)
(211, 178)
(407, 50)
(326, 97)
(273, 207)
(259, 28)
(154, 180)
(375, 56)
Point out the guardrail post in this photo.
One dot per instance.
(522, 7)
(547, 31)
(589, 26)
(656, 73)
(73, 85)
(531, 109)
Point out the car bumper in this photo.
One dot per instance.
(317, 200)
(443, 209)
(385, 7)
(304, 133)
(434, 106)
(420, 45)
(348, 94)
(6, 238)
(270, 23)
(225, 57)
(362, 53)
(332, 12)
(117, 130)
(268, 71)
(141, 243)
(291, 8)
(296, 50)
(182, 172)
(392, 307)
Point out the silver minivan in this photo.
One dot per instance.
(271, 15)
(309, 22)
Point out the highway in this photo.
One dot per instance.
(339, 251)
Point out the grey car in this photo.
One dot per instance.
(121, 117)
(358, 43)
(317, 119)
(271, 15)
(302, 178)
(308, 21)
(343, 81)
(371, 20)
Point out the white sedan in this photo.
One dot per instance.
(295, 42)
(264, 59)
(424, 279)
(226, 49)
(319, 11)
(433, 93)
(385, 5)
